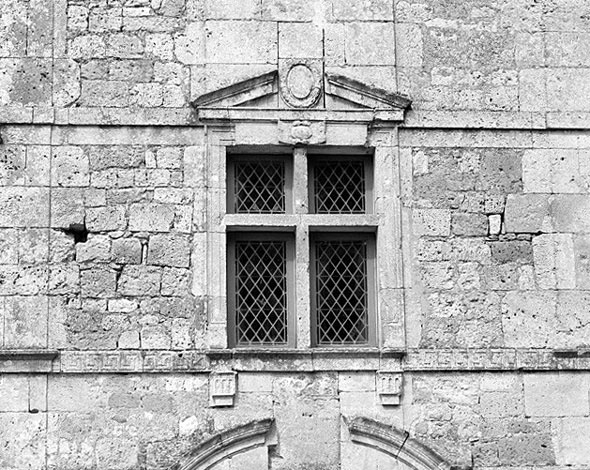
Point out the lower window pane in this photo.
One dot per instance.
(341, 292)
(260, 292)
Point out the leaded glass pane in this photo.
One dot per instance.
(339, 187)
(261, 292)
(341, 292)
(259, 187)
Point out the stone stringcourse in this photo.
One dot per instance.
(250, 360)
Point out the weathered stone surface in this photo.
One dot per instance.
(238, 42)
(554, 261)
(572, 439)
(24, 207)
(544, 392)
(98, 282)
(169, 250)
(139, 281)
(528, 213)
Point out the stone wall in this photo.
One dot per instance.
(103, 234)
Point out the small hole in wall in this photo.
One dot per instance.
(79, 232)
(33, 410)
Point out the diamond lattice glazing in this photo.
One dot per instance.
(339, 187)
(261, 293)
(259, 187)
(341, 292)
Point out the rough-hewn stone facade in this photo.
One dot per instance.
(115, 116)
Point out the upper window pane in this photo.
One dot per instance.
(339, 186)
(257, 186)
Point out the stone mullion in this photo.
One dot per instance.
(302, 287)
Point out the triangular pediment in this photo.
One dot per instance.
(303, 88)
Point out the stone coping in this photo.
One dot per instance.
(188, 117)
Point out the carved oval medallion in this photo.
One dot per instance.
(300, 81)
(300, 84)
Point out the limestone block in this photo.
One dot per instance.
(8, 246)
(526, 449)
(169, 157)
(116, 452)
(171, 7)
(140, 281)
(409, 44)
(77, 18)
(67, 207)
(365, 10)
(241, 42)
(13, 31)
(103, 219)
(300, 40)
(528, 318)
(37, 393)
(432, 222)
(99, 282)
(528, 213)
(104, 93)
(33, 246)
(122, 305)
(129, 340)
(106, 156)
(554, 261)
(334, 41)
(532, 91)
(66, 82)
(230, 10)
(89, 46)
(501, 404)
(189, 46)
(22, 440)
(14, 390)
(572, 446)
(64, 278)
(552, 171)
(530, 48)
(169, 250)
(287, 10)
(69, 167)
(101, 20)
(568, 88)
(582, 261)
(147, 95)
(511, 251)
(24, 207)
(96, 249)
(544, 394)
(155, 337)
(30, 81)
(150, 217)
(124, 46)
(494, 224)
(126, 251)
(176, 281)
(370, 44)
(567, 49)
(571, 213)
(439, 275)
(356, 382)
(469, 224)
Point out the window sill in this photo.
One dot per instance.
(306, 360)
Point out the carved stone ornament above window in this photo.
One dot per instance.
(299, 92)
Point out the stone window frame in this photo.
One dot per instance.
(385, 220)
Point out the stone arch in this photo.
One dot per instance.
(228, 443)
(396, 443)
